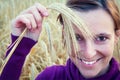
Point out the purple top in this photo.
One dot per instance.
(70, 72)
(57, 72)
(13, 68)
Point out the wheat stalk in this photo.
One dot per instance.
(69, 18)
(13, 49)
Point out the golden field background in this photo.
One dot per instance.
(41, 55)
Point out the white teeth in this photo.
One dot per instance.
(88, 63)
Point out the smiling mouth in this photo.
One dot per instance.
(89, 62)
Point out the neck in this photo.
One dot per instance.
(104, 71)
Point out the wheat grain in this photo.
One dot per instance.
(13, 49)
(69, 18)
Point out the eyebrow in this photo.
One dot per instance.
(104, 34)
(95, 35)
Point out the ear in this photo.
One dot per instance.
(117, 32)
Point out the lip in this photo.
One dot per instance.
(89, 63)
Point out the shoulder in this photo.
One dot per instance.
(118, 65)
(52, 73)
(117, 75)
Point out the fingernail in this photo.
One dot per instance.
(46, 14)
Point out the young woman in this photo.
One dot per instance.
(94, 60)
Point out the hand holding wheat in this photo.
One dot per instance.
(31, 19)
(29, 24)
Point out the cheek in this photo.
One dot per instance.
(106, 50)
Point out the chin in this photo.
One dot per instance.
(89, 75)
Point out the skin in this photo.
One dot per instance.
(95, 54)
(31, 19)
(98, 21)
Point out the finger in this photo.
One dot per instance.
(38, 17)
(22, 21)
(32, 21)
(42, 9)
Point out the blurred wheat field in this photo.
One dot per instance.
(40, 55)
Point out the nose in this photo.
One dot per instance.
(88, 50)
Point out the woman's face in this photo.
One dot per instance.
(95, 54)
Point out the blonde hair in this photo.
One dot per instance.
(109, 6)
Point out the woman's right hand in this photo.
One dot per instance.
(31, 19)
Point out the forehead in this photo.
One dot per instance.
(98, 21)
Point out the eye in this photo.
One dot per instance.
(78, 37)
(101, 38)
